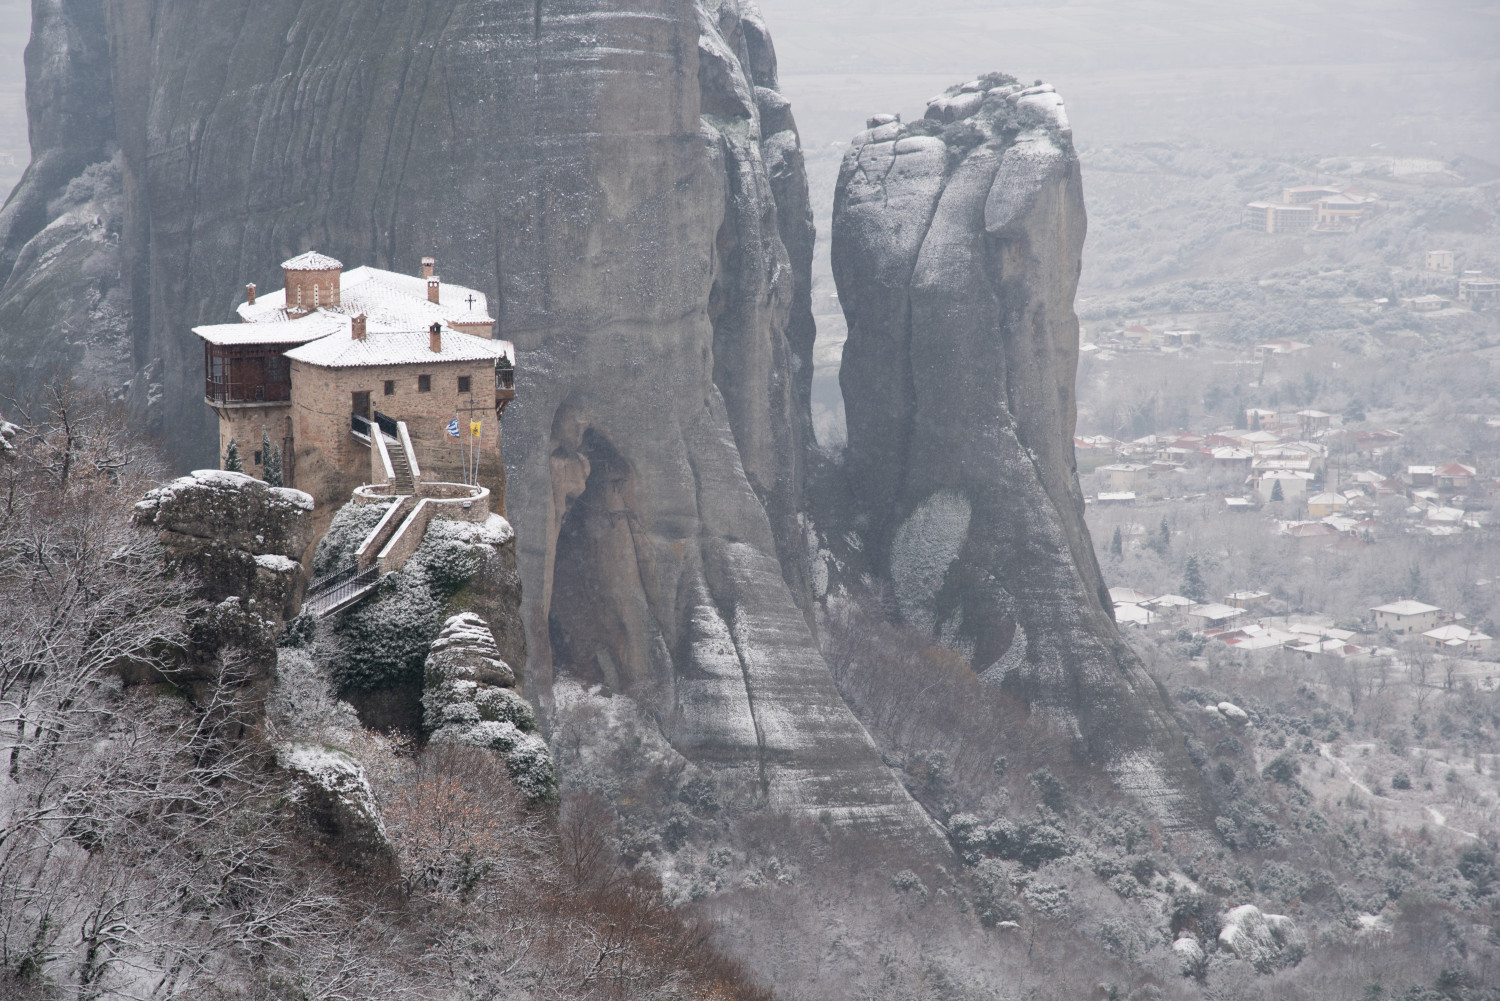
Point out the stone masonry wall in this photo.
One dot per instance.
(331, 462)
(245, 424)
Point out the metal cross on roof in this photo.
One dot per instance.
(470, 301)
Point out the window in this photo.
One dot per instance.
(390, 387)
(424, 383)
(257, 458)
(463, 384)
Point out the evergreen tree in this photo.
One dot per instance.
(1192, 581)
(232, 461)
(1117, 544)
(1255, 422)
(1276, 494)
(265, 453)
(1239, 419)
(1414, 585)
(1166, 535)
(273, 467)
(1354, 410)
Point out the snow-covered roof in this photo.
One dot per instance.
(1171, 601)
(1406, 606)
(1214, 612)
(398, 348)
(1128, 595)
(312, 261)
(1455, 469)
(390, 301)
(1452, 631)
(308, 328)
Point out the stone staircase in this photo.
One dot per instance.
(404, 482)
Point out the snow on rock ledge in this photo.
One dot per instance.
(232, 508)
(334, 797)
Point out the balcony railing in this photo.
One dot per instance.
(226, 391)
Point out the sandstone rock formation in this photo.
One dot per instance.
(241, 540)
(626, 183)
(631, 182)
(956, 248)
(469, 698)
(333, 797)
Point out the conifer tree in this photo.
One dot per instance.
(273, 467)
(265, 453)
(1166, 535)
(1276, 495)
(232, 461)
(1117, 544)
(1192, 585)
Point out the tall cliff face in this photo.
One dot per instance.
(629, 181)
(957, 246)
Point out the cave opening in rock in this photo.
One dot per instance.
(599, 622)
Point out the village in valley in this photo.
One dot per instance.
(1294, 467)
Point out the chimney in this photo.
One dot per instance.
(428, 264)
(435, 336)
(357, 327)
(433, 281)
(250, 293)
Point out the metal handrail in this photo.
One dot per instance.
(335, 596)
(328, 580)
(387, 424)
(360, 424)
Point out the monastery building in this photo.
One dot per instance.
(349, 371)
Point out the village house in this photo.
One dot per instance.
(335, 358)
(1125, 476)
(1278, 217)
(1406, 617)
(1343, 210)
(1247, 599)
(1440, 260)
(1454, 638)
(1170, 605)
(1212, 616)
(1324, 504)
(1310, 422)
(1421, 476)
(1294, 485)
(1424, 303)
(1280, 346)
(1479, 291)
(1454, 477)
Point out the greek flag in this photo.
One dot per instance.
(453, 427)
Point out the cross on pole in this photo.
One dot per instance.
(470, 301)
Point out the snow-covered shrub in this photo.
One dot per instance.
(383, 641)
(347, 530)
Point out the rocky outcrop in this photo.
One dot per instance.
(333, 798)
(626, 183)
(469, 698)
(956, 248)
(241, 540)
